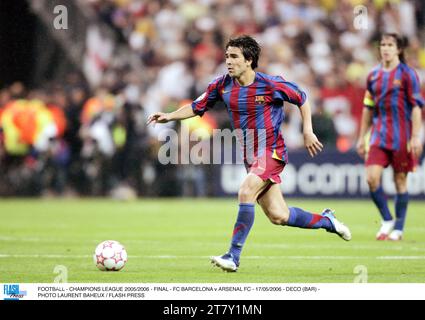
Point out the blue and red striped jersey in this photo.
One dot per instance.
(393, 96)
(256, 109)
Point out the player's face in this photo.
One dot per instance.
(388, 49)
(236, 63)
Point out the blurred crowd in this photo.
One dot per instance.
(66, 139)
(314, 43)
(104, 146)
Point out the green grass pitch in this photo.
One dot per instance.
(170, 241)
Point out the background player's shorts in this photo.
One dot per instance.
(267, 168)
(401, 160)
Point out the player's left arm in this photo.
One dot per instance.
(312, 144)
(416, 101)
(290, 92)
(415, 141)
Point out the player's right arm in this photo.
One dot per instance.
(184, 112)
(197, 107)
(365, 124)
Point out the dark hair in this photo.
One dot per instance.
(401, 42)
(250, 48)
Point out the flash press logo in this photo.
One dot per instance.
(12, 292)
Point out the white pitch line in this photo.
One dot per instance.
(47, 256)
(60, 256)
(283, 246)
(401, 258)
(25, 239)
(391, 247)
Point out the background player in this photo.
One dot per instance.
(254, 102)
(392, 108)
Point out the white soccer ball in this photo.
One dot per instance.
(110, 255)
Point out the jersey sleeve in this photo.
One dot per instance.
(369, 82)
(288, 91)
(368, 100)
(414, 96)
(207, 100)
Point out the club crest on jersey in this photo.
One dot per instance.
(260, 99)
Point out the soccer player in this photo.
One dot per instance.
(392, 109)
(254, 102)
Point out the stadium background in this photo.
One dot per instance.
(119, 60)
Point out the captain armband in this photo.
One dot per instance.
(369, 103)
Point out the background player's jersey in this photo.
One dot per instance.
(394, 94)
(255, 109)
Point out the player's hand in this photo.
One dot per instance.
(416, 146)
(158, 117)
(312, 144)
(361, 148)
